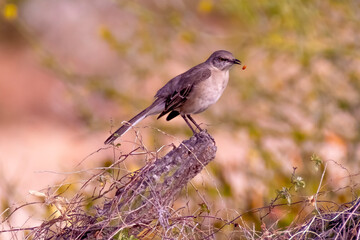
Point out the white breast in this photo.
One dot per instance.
(207, 92)
(216, 85)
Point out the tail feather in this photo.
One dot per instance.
(126, 127)
(155, 108)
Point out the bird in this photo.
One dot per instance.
(191, 92)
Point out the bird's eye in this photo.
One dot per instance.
(222, 59)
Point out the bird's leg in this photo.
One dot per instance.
(193, 121)
(187, 122)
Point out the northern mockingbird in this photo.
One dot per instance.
(188, 93)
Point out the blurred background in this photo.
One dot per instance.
(72, 71)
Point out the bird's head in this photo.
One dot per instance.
(223, 60)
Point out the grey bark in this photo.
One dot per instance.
(149, 196)
(152, 193)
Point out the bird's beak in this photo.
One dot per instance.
(237, 61)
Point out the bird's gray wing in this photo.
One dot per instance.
(177, 90)
(176, 100)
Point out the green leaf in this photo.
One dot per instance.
(317, 161)
(204, 208)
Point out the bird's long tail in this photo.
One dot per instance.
(155, 108)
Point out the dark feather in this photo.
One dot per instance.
(172, 115)
(192, 77)
(178, 89)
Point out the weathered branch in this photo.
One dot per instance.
(148, 197)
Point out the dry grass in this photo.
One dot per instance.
(90, 212)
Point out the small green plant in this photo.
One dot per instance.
(284, 193)
(317, 161)
(124, 235)
(297, 183)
